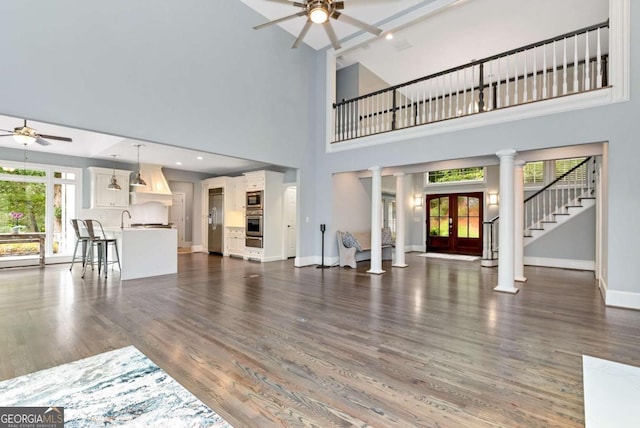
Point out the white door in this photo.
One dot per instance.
(177, 214)
(290, 205)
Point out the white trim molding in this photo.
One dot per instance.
(560, 263)
(623, 299)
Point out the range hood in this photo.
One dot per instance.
(157, 188)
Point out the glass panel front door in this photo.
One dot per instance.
(454, 223)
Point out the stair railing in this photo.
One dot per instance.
(570, 63)
(552, 200)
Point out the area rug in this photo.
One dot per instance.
(121, 387)
(449, 256)
(611, 393)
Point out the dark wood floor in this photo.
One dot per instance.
(272, 345)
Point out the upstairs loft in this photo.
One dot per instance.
(581, 68)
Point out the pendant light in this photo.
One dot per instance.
(138, 181)
(114, 184)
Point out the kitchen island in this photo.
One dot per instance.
(147, 252)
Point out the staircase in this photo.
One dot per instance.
(558, 202)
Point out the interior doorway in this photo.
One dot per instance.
(454, 223)
(290, 215)
(177, 214)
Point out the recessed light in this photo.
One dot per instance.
(389, 36)
(199, 158)
(178, 163)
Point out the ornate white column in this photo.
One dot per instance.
(506, 241)
(518, 224)
(376, 221)
(401, 203)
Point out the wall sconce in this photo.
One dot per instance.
(417, 201)
(493, 199)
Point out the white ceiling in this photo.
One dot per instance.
(421, 28)
(100, 146)
(369, 11)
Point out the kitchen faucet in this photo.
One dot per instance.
(122, 218)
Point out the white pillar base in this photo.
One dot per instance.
(520, 279)
(402, 265)
(376, 272)
(511, 290)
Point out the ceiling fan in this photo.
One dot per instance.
(319, 12)
(25, 135)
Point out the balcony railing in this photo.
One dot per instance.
(571, 63)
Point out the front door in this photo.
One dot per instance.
(454, 223)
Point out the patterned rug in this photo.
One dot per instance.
(449, 256)
(121, 387)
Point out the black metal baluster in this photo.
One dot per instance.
(481, 90)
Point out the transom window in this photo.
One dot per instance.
(456, 175)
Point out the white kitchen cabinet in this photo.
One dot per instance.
(271, 183)
(255, 180)
(240, 193)
(101, 196)
(235, 241)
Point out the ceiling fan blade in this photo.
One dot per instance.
(339, 5)
(356, 22)
(53, 137)
(302, 34)
(5, 135)
(42, 142)
(332, 35)
(277, 21)
(291, 3)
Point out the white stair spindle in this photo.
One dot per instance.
(525, 95)
(515, 83)
(430, 116)
(444, 92)
(554, 86)
(575, 63)
(534, 91)
(506, 97)
(498, 93)
(473, 98)
(565, 88)
(424, 102)
(490, 91)
(464, 91)
(587, 76)
(450, 93)
(598, 62)
(545, 92)
(458, 92)
(378, 102)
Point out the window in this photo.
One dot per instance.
(533, 172)
(39, 198)
(562, 166)
(456, 175)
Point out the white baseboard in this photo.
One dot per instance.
(561, 263)
(417, 248)
(623, 299)
(197, 249)
(314, 260)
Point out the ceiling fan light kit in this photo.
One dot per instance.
(319, 12)
(25, 135)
